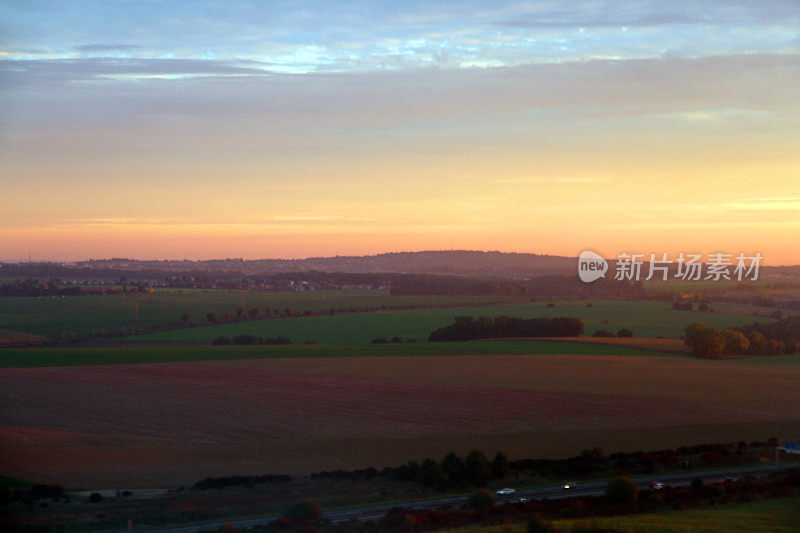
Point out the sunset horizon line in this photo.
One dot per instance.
(610, 257)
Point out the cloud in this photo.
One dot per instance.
(29, 73)
(591, 14)
(352, 36)
(98, 48)
(141, 92)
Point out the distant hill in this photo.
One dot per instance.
(452, 262)
(461, 263)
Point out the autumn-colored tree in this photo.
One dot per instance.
(736, 343)
(704, 341)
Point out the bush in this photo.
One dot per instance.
(221, 341)
(603, 333)
(246, 340)
(396, 339)
(624, 334)
(479, 499)
(380, 340)
(622, 490)
(95, 497)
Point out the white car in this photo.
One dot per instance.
(569, 485)
(506, 491)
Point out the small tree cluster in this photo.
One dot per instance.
(682, 306)
(708, 343)
(467, 328)
(250, 339)
(474, 470)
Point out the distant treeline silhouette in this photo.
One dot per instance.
(244, 481)
(250, 339)
(33, 287)
(467, 328)
(541, 288)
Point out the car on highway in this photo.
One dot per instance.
(505, 491)
(569, 485)
(656, 485)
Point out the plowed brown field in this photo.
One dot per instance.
(168, 424)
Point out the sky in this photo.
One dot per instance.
(171, 130)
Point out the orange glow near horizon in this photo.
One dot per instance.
(606, 167)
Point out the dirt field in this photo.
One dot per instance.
(642, 343)
(169, 424)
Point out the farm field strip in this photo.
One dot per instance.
(175, 423)
(55, 316)
(642, 343)
(646, 319)
(141, 352)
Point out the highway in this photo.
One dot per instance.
(597, 488)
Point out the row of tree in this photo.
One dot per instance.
(240, 481)
(242, 340)
(467, 328)
(475, 470)
(34, 287)
(709, 343)
(786, 331)
(623, 333)
(686, 305)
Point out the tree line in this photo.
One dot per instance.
(475, 470)
(33, 287)
(467, 328)
(245, 340)
(756, 339)
(622, 496)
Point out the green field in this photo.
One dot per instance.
(148, 353)
(765, 516)
(645, 319)
(55, 317)
(768, 516)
